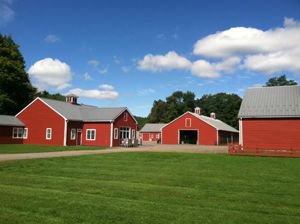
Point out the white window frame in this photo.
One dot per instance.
(19, 133)
(188, 121)
(73, 134)
(25, 133)
(48, 133)
(116, 133)
(86, 136)
(133, 134)
(157, 136)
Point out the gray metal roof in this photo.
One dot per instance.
(6, 120)
(151, 127)
(218, 124)
(271, 102)
(84, 112)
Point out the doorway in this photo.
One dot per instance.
(188, 137)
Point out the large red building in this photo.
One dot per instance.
(269, 118)
(53, 122)
(194, 128)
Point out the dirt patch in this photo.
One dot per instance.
(143, 148)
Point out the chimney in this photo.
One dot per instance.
(213, 115)
(198, 110)
(72, 99)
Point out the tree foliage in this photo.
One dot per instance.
(280, 81)
(141, 121)
(56, 96)
(226, 106)
(16, 90)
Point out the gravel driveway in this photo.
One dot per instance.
(143, 148)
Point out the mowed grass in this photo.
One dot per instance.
(20, 148)
(151, 188)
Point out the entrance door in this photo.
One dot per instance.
(124, 133)
(79, 137)
(188, 137)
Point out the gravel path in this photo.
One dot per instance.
(144, 148)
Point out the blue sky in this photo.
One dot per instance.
(130, 53)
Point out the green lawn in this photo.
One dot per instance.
(20, 148)
(151, 188)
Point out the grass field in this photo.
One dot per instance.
(151, 188)
(20, 148)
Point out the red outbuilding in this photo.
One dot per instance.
(12, 130)
(53, 122)
(269, 118)
(151, 132)
(194, 128)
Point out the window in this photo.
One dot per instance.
(115, 133)
(48, 133)
(133, 133)
(125, 116)
(157, 136)
(188, 122)
(90, 134)
(73, 134)
(20, 133)
(124, 132)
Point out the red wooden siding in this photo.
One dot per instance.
(124, 121)
(6, 136)
(207, 135)
(271, 133)
(147, 136)
(37, 117)
(77, 126)
(102, 134)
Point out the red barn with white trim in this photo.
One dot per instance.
(194, 128)
(12, 130)
(151, 132)
(53, 122)
(269, 118)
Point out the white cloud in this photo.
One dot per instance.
(94, 63)
(290, 22)
(203, 68)
(86, 76)
(106, 87)
(169, 61)
(7, 14)
(125, 69)
(51, 38)
(50, 72)
(103, 71)
(102, 94)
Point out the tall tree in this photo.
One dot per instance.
(226, 106)
(280, 81)
(56, 96)
(16, 90)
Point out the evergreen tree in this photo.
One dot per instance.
(16, 90)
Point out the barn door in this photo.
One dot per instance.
(79, 137)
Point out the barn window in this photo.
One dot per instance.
(157, 136)
(133, 134)
(188, 122)
(125, 116)
(48, 133)
(90, 134)
(115, 133)
(73, 134)
(19, 133)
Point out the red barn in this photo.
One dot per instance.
(151, 132)
(12, 130)
(55, 122)
(269, 118)
(194, 128)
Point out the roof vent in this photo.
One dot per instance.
(198, 110)
(213, 115)
(71, 98)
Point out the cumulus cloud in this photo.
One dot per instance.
(50, 72)
(51, 38)
(105, 92)
(169, 61)
(267, 51)
(7, 14)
